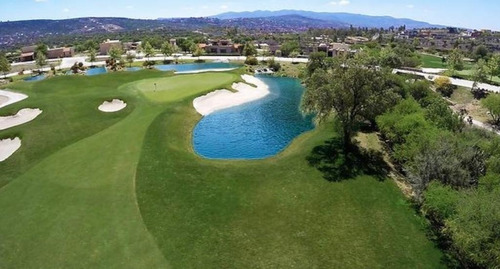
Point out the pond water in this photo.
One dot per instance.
(256, 130)
(35, 78)
(195, 66)
(96, 71)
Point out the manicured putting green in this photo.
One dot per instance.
(182, 86)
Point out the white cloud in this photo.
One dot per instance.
(129, 7)
(40, 1)
(410, 6)
(66, 10)
(340, 3)
(224, 7)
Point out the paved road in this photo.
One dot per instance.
(454, 81)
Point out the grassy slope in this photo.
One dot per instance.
(76, 208)
(275, 213)
(72, 203)
(429, 61)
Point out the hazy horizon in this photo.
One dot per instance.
(460, 13)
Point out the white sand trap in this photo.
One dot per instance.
(113, 106)
(222, 99)
(205, 71)
(22, 117)
(8, 98)
(3, 99)
(8, 147)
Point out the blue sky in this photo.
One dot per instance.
(465, 13)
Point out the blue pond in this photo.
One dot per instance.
(195, 67)
(96, 71)
(35, 78)
(256, 130)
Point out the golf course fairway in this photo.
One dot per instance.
(90, 189)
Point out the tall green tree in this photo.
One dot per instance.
(494, 66)
(4, 65)
(198, 52)
(148, 50)
(343, 91)
(130, 59)
(249, 49)
(115, 53)
(481, 52)
(41, 60)
(317, 61)
(92, 55)
(492, 103)
(41, 49)
(167, 49)
(480, 72)
(455, 60)
(288, 47)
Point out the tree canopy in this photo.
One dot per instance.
(4, 64)
(345, 91)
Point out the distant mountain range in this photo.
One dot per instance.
(340, 19)
(15, 33)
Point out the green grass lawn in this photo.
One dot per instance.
(125, 190)
(430, 61)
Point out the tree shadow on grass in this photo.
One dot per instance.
(338, 165)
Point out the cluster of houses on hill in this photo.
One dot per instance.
(223, 47)
(273, 48)
(450, 38)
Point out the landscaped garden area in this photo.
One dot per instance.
(89, 189)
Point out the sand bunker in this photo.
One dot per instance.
(113, 106)
(22, 117)
(222, 99)
(204, 71)
(3, 99)
(7, 98)
(8, 147)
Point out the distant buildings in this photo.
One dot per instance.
(29, 53)
(221, 47)
(60, 53)
(106, 46)
(131, 45)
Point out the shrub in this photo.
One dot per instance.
(274, 65)
(251, 61)
(444, 86)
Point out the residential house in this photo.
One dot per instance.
(106, 46)
(131, 45)
(221, 47)
(60, 53)
(27, 54)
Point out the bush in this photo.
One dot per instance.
(149, 64)
(251, 61)
(444, 86)
(199, 61)
(274, 65)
